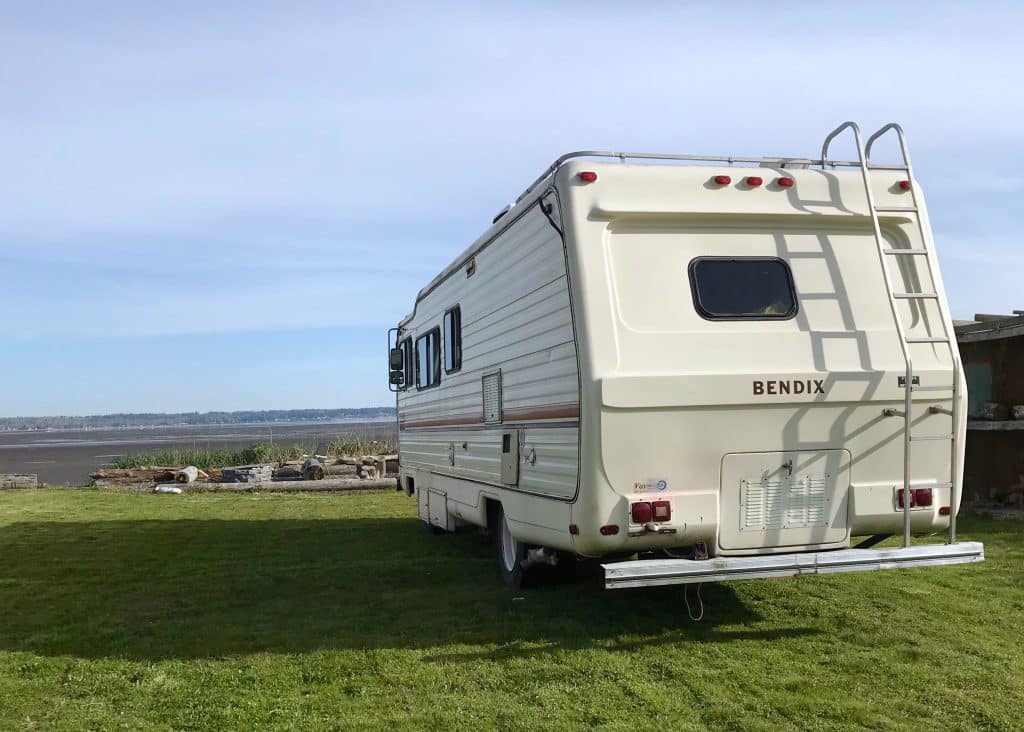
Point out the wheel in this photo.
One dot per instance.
(511, 553)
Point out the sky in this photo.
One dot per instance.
(225, 205)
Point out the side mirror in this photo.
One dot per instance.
(397, 378)
(396, 360)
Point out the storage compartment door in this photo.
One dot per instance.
(437, 508)
(510, 457)
(784, 499)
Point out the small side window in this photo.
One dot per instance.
(742, 288)
(407, 363)
(428, 359)
(453, 340)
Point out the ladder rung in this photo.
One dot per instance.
(943, 387)
(915, 295)
(895, 209)
(906, 251)
(918, 438)
(888, 167)
(929, 339)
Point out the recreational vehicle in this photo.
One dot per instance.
(708, 368)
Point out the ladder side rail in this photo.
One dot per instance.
(944, 315)
(893, 305)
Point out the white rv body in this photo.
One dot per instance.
(592, 378)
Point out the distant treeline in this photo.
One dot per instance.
(116, 421)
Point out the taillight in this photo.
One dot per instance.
(610, 529)
(919, 497)
(641, 512)
(662, 510)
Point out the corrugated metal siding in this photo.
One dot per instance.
(516, 317)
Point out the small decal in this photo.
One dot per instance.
(640, 487)
(657, 484)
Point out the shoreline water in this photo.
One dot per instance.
(68, 456)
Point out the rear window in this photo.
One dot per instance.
(742, 288)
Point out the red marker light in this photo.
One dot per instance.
(904, 185)
(944, 510)
(587, 176)
(723, 180)
(754, 181)
(574, 529)
(641, 512)
(786, 182)
(610, 529)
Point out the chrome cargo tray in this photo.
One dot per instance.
(653, 572)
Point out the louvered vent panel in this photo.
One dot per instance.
(784, 504)
(492, 397)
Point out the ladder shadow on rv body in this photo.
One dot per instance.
(151, 590)
(839, 433)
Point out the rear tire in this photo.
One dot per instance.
(511, 554)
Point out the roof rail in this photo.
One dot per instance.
(622, 157)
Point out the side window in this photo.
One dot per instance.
(428, 359)
(453, 340)
(742, 288)
(407, 363)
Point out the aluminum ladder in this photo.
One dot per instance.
(884, 253)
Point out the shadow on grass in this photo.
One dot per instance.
(150, 590)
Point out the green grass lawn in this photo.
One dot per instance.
(203, 611)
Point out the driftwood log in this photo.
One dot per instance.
(301, 486)
(18, 480)
(189, 474)
(151, 475)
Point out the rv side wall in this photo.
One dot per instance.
(505, 425)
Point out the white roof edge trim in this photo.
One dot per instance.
(514, 212)
(531, 195)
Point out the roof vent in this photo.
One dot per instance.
(501, 213)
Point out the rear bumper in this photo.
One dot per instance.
(653, 572)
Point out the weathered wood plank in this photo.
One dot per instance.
(300, 486)
(18, 480)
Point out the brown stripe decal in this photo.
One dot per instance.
(532, 414)
(441, 422)
(529, 414)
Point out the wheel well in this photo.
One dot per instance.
(493, 508)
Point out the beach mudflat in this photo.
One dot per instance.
(67, 457)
